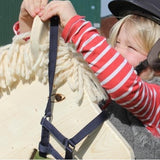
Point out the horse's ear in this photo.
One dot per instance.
(106, 24)
(39, 34)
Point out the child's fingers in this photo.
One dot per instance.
(37, 6)
(43, 3)
(33, 7)
(48, 11)
(28, 7)
(63, 9)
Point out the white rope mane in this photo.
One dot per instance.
(17, 63)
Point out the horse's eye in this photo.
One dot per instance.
(57, 97)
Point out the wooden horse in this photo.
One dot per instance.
(24, 94)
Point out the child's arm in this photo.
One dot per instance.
(116, 75)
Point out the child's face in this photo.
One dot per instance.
(127, 46)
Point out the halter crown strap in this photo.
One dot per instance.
(52, 59)
(47, 128)
(51, 70)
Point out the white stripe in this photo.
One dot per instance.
(88, 41)
(138, 104)
(150, 105)
(154, 101)
(145, 105)
(107, 64)
(126, 93)
(135, 97)
(79, 39)
(158, 130)
(100, 56)
(113, 74)
(157, 125)
(77, 29)
(119, 84)
(157, 112)
(93, 48)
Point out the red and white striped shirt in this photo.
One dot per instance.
(115, 74)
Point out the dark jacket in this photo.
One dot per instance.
(144, 145)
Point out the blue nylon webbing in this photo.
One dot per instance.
(97, 121)
(44, 146)
(51, 70)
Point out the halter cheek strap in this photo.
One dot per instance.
(51, 70)
(47, 128)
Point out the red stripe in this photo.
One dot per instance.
(119, 77)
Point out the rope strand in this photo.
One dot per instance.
(18, 63)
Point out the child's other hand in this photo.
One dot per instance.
(64, 9)
(29, 9)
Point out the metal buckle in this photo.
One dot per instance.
(69, 145)
(49, 119)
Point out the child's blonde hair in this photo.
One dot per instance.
(142, 29)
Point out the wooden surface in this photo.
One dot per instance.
(20, 130)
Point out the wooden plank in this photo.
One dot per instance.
(21, 112)
(20, 116)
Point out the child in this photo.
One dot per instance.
(138, 39)
(115, 70)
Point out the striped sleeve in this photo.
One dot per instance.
(115, 74)
(16, 28)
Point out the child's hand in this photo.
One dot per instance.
(29, 9)
(63, 9)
